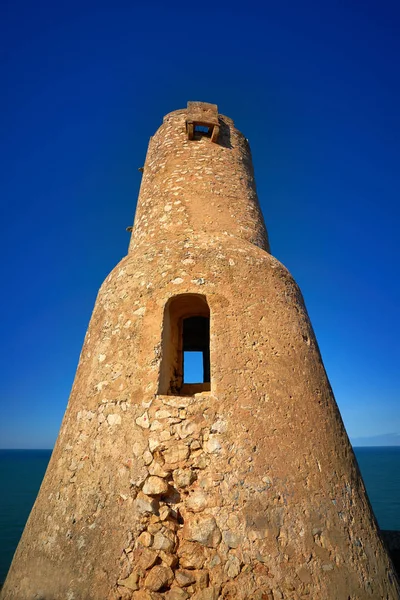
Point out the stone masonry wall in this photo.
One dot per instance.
(248, 492)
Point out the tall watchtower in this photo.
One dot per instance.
(242, 485)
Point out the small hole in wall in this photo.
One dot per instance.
(201, 129)
(193, 369)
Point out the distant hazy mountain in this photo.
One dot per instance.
(385, 439)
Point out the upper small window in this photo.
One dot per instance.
(202, 130)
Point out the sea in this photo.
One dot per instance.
(21, 473)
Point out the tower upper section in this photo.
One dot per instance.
(198, 178)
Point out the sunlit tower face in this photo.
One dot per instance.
(241, 484)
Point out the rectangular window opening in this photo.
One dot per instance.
(193, 367)
(201, 129)
(185, 366)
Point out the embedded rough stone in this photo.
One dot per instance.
(170, 560)
(165, 413)
(184, 477)
(158, 578)
(138, 474)
(143, 420)
(184, 578)
(201, 462)
(219, 427)
(191, 555)
(164, 541)
(147, 458)
(197, 501)
(176, 593)
(202, 529)
(153, 528)
(122, 593)
(146, 595)
(146, 504)
(212, 445)
(232, 566)
(131, 582)
(146, 539)
(147, 558)
(232, 539)
(154, 443)
(304, 574)
(114, 419)
(176, 453)
(202, 579)
(188, 428)
(155, 486)
(165, 512)
(210, 593)
(156, 469)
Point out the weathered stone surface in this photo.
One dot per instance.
(188, 428)
(155, 486)
(202, 529)
(114, 420)
(158, 578)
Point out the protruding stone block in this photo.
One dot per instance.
(202, 118)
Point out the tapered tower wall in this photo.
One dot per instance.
(194, 187)
(247, 491)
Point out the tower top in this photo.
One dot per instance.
(197, 180)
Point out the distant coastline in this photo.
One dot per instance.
(373, 441)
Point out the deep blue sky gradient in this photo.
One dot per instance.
(313, 85)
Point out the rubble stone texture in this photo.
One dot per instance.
(244, 487)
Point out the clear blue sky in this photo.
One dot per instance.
(313, 85)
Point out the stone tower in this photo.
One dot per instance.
(241, 486)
